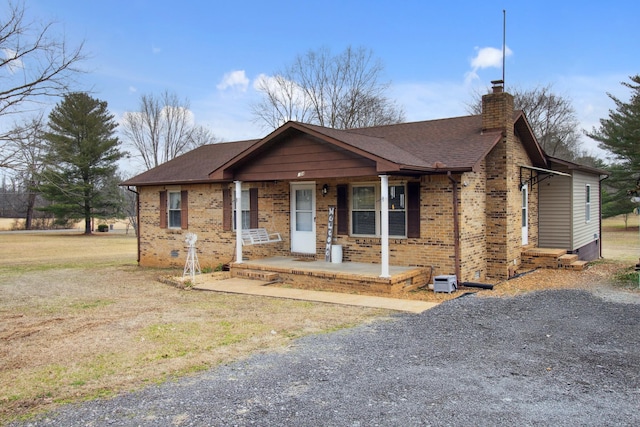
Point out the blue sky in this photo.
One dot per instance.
(434, 52)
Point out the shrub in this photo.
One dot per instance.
(103, 227)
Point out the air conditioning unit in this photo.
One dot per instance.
(445, 283)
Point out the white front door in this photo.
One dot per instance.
(525, 215)
(303, 218)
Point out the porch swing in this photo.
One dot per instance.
(259, 236)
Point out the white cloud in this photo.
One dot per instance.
(235, 79)
(155, 50)
(14, 64)
(486, 57)
(133, 89)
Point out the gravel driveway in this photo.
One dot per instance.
(546, 358)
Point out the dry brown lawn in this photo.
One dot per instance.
(79, 319)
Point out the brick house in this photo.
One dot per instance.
(461, 196)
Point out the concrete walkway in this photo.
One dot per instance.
(256, 287)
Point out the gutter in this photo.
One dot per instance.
(137, 219)
(456, 225)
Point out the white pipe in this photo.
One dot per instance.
(238, 221)
(384, 225)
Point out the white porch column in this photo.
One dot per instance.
(384, 225)
(238, 207)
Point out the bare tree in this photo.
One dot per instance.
(342, 91)
(28, 144)
(35, 63)
(552, 118)
(162, 129)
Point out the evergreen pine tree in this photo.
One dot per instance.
(620, 135)
(81, 160)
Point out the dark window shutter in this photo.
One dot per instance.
(163, 209)
(226, 210)
(343, 209)
(253, 208)
(413, 209)
(184, 209)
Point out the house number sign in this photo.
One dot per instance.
(327, 249)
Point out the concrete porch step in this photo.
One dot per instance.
(266, 276)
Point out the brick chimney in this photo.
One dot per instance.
(503, 198)
(497, 109)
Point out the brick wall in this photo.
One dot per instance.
(166, 247)
(504, 198)
(473, 225)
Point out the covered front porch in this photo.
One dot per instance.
(310, 273)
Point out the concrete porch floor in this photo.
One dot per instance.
(348, 277)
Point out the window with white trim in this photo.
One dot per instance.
(175, 209)
(366, 210)
(587, 203)
(245, 205)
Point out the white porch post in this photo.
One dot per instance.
(238, 204)
(384, 225)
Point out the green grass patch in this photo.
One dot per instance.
(91, 304)
(626, 277)
(18, 269)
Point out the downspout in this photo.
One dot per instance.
(600, 214)
(456, 225)
(137, 219)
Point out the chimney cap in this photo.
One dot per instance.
(497, 85)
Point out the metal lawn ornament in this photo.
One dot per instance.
(192, 266)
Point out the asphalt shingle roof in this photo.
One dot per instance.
(455, 143)
(193, 166)
(448, 144)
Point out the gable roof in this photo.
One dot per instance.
(455, 144)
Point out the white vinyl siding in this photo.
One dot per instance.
(555, 213)
(585, 229)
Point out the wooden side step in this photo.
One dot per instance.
(567, 259)
(551, 258)
(266, 276)
(577, 265)
(542, 257)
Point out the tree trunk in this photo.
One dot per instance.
(31, 202)
(87, 219)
